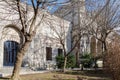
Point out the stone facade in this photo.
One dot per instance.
(45, 37)
(75, 13)
(67, 21)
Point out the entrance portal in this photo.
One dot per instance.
(10, 52)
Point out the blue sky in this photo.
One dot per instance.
(52, 8)
(55, 7)
(98, 3)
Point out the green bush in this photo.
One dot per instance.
(70, 61)
(60, 61)
(87, 60)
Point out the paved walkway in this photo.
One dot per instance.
(6, 71)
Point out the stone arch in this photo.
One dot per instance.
(12, 33)
(10, 52)
(15, 33)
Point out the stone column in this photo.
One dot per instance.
(1, 53)
(99, 47)
(93, 46)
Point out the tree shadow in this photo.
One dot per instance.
(4, 78)
(90, 73)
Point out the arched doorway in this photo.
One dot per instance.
(10, 52)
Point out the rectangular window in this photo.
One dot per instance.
(48, 53)
(60, 52)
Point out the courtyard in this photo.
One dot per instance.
(60, 40)
(69, 75)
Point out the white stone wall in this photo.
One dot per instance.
(9, 34)
(45, 37)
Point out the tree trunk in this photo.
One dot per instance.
(116, 77)
(77, 59)
(104, 52)
(96, 66)
(103, 55)
(77, 55)
(65, 63)
(105, 47)
(19, 58)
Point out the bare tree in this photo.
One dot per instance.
(75, 13)
(112, 63)
(28, 35)
(107, 21)
(61, 33)
(29, 18)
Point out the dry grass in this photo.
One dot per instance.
(70, 75)
(49, 76)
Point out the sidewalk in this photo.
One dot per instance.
(6, 71)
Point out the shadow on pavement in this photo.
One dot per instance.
(4, 78)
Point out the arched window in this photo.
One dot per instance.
(10, 52)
